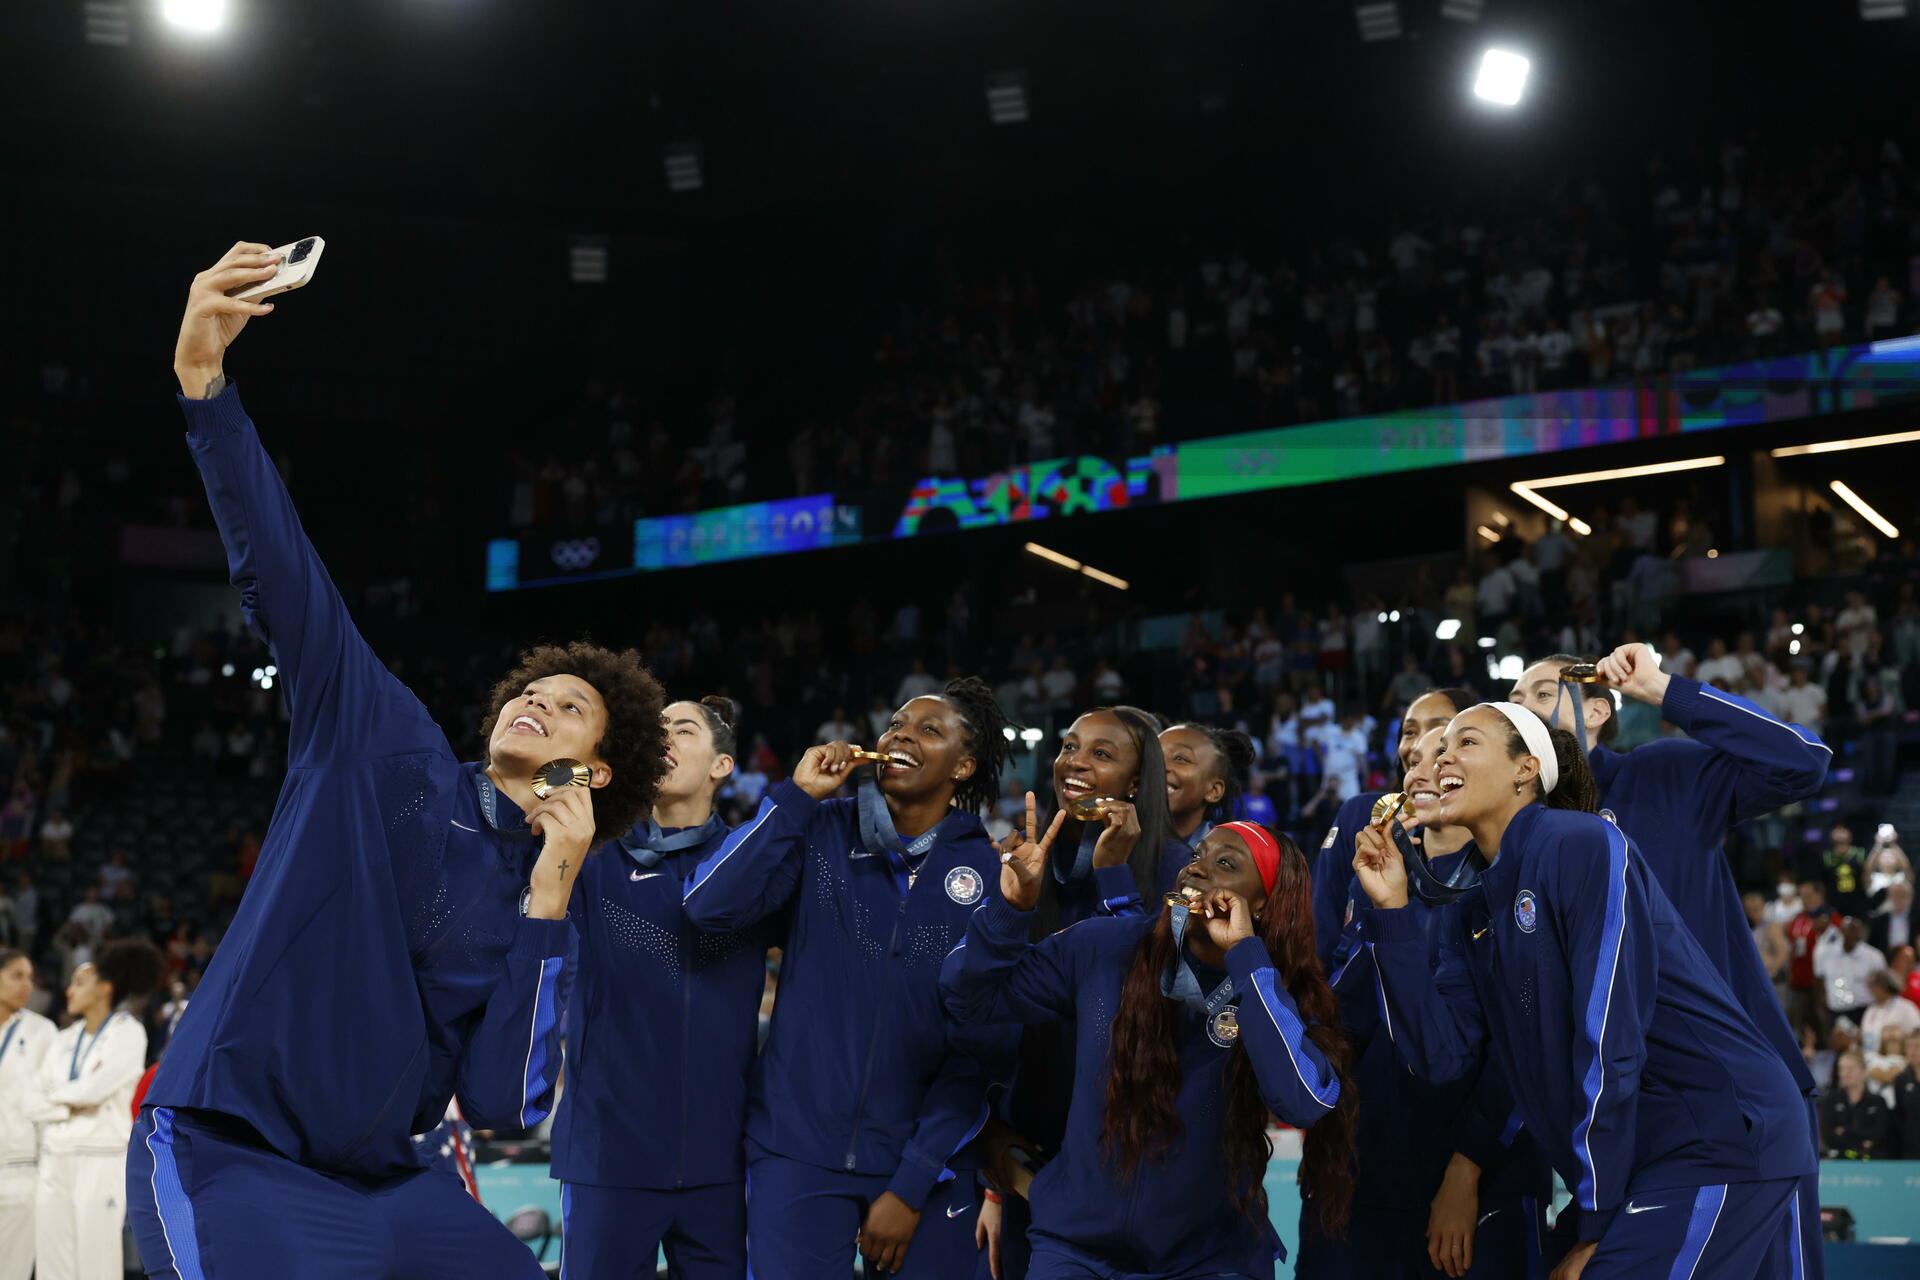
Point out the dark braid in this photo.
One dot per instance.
(1577, 789)
(1234, 766)
(987, 741)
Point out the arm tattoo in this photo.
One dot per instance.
(563, 868)
(216, 386)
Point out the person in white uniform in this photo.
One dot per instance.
(24, 1039)
(85, 1104)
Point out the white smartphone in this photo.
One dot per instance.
(297, 261)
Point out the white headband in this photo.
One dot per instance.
(1533, 732)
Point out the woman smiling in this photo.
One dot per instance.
(1678, 1129)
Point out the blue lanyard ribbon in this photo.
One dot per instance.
(1082, 864)
(1179, 981)
(83, 1046)
(879, 838)
(649, 846)
(489, 803)
(1200, 833)
(13, 1025)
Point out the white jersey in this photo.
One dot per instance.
(25, 1039)
(87, 1084)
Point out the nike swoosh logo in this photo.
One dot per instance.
(952, 1212)
(1483, 1217)
(645, 875)
(463, 826)
(1642, 1208)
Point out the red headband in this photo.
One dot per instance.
(1261, 844)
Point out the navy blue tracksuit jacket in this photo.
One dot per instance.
(662, 1028)
(1675, 799)
(862, 1072)
(379, 963)
(1174, 1217)
(1631, 1061)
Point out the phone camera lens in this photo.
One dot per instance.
(300, 251)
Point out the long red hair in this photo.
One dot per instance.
(1144, 1074)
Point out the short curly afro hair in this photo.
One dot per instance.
(634, 744)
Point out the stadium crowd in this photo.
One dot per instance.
(1741, 250)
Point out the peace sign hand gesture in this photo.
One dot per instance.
(1023, 859)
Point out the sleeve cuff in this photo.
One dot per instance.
(1115, 885)
(1000, 921)
(223, 415)
(1594, 1223)
(787, 794)
(1245, 958)
(913, 1181)
(1683, 698)
(542, 939)
(1483, 1149)
(1391, 924)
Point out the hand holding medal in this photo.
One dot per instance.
(565, 823)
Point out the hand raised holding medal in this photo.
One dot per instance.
(564, 822)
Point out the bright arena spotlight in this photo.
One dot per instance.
(204, 16)
(1503, 77)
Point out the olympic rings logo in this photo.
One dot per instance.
(576, 555)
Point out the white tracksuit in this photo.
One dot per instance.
(86, 1095)
(24, 1041)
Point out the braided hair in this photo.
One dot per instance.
(722, 715)
(987, 741)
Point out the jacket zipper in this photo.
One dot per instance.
(686, 1021)
(873, 1041)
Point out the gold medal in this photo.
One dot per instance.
(875, 756)
(1581, 673)
(1087, 808)
(555, 774)
(1184, 897)
(1391, 806)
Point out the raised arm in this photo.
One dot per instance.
(338, 692)
(1431, 1013)
(511, 1063)
(1755, 759)
(753, 872)
(1296, 1080)
(996, 976)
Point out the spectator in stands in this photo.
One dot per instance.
(1887, 862)
(1844, 962)
(1819, 1058)
(1806, 994)
(1854, 1121)
(917, 683)
(1883, 310)
(1107, 685)
(1409, 683)
(837, 728)
(1885, 1064)
(116, 872)
(1906, 1104)
(1803, 702)
(1901, 964)
(1720, 669)
(26, 912)
(1843, 870)
(56, 836)
(1058, 684)
(1494, 598)
(1887, 1010)
(1770, 940)
(1874, 711)
(1896, 924)
(93, 916)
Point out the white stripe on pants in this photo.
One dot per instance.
(80, 1209)
(17, 1185)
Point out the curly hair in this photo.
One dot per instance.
(987, 741)
(1144, 1073)
(634, 743)
(133, 967)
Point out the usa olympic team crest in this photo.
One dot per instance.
(965, 886)
(1526, 912)
(1223, 1028)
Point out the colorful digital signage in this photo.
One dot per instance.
(1777, 390)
